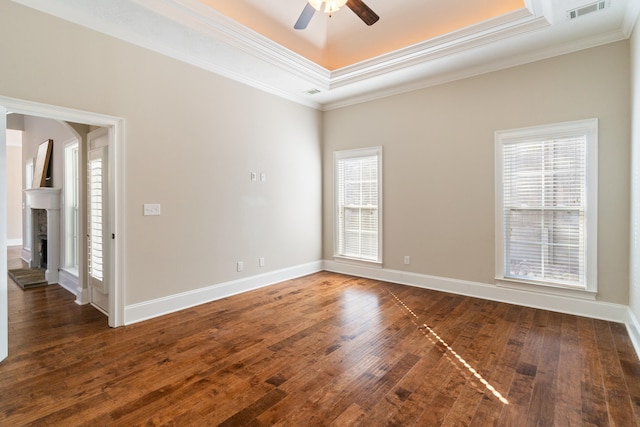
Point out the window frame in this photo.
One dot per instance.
(71, 228)
(588, 128)
(350, 154)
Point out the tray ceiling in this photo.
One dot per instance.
(338, 60)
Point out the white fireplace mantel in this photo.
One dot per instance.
(49, 199)
(44, 197)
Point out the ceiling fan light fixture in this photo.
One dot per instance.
(330, 6)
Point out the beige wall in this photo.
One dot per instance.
(439, 160)
(191, 140)
(36, 131)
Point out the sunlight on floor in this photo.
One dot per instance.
(424, 327)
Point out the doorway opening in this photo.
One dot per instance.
(113, 129)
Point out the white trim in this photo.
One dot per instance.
(357, 261)
(14, 242)
(470, 70)
(633, 328)
(351, 154)
(116, 173)
(631, 17)
(223, 46)
(588, 127)
(68, 145)
(4, 296)
(69, 281)
(26, 255)
(561, 304)
(544, 288)
(149, 309)
(83, 295)
(484, 33)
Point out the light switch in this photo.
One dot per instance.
(151, 209)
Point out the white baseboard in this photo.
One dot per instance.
(69, 281)
(594, 309)
(562, 304)
(14, 242)
(633, 327)
(83, 295)
(149, 309)
(26, 255)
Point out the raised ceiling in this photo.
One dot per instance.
(343, 39)
(339, 61)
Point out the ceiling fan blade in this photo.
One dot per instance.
(305, 17)
(363, 11)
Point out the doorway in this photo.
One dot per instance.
(114, 137)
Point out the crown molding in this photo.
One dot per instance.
(191, 32)
(194, 14)
(484, 33)
(631, 17)
(514, 60)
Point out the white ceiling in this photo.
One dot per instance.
(415, 44)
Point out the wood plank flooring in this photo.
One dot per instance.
(321, 350)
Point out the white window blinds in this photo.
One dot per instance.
(544, 208)
(358, 204)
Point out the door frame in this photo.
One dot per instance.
(88, 209)
(115, 126)
(4, 305)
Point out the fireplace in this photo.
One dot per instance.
(45, 244)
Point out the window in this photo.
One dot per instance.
(546, 201)
(71, 203)
(358, 216)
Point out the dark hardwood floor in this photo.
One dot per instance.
(325, 349)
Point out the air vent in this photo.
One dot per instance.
(584, 10)
(311, 91)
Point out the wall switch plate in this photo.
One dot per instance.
(254, 176)
(263, 176)
(407, 260)
(151, 209)
(240, 266)
(261, 262)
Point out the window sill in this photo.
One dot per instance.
(357, 261)
(546, 288)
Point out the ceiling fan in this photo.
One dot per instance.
(358, 7)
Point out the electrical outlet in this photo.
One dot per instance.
(407, 260)
(263, 176)
(254, 176)
(240, 266)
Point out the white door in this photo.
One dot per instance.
(4, 308)
(97, 221)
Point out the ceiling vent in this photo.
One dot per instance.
(311, 91)
(584, 10)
